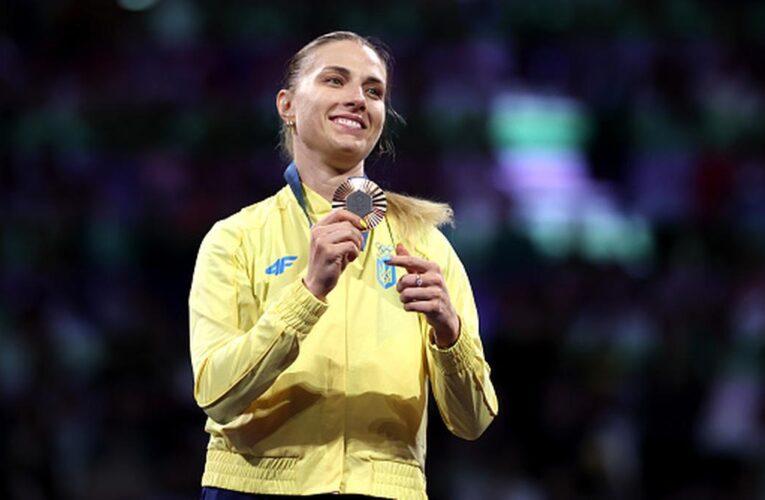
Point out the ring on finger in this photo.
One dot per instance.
(418, 280)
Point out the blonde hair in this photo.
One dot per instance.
(413, 215)
(416, 215)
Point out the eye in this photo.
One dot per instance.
(333, 80)
(375, 92)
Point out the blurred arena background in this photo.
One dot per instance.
(605, 160)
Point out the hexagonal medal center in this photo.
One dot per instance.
(359, 203)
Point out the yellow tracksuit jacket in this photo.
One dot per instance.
(306, 397)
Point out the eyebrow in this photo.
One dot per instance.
(347, 73)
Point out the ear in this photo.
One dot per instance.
(284, 105)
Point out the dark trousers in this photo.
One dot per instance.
(209, 493)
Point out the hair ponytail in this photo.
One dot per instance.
(416, 215)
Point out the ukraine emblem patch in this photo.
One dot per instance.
(386, 275)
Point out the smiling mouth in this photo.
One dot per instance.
(347, 122)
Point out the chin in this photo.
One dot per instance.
(349, 156)
(344, 164)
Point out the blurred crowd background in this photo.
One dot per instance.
(605, 160)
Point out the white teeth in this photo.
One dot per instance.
(348, 123)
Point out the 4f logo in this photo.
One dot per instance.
(281, 264)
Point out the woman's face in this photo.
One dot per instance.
(338, 103)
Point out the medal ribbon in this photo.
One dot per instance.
(292, 176)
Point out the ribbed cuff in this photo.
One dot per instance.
(457, 357)
(299, 308)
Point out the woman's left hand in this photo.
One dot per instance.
(423, 289)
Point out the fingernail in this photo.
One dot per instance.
(363, 223)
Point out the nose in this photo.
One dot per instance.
(354, 99)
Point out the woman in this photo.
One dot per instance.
(311, 347)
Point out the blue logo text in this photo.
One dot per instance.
(281, 264)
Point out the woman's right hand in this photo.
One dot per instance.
(335, 241)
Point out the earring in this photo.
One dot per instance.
(290, 124)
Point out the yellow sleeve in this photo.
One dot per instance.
(459, 375)
(237, 352)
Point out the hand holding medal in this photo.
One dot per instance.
(337, 239)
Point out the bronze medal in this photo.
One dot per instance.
(362, 197)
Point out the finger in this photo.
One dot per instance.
(427, 307)
(427, 279)
(341, 215)
(420, 294)
(339, 225)
(319, 231)
(413, 264)
(342, 232)
(401, 250)
(346, 250)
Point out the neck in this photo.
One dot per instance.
(322, 177)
